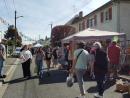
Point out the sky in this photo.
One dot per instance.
(39, 14)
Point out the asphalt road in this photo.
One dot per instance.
(51, 87)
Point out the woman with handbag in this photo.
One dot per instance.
(26, 58)
(99, 68)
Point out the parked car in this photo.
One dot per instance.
(16, 53)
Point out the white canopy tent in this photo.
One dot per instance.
(37, 45)
(93, 34)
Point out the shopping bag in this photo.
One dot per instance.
(41, 73)
(70, 80)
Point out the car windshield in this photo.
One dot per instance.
(17, 49)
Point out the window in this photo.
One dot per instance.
(91, 23)
(83, 25)
(95, 20)
(106, 15)
(87, 23)
(80, 26)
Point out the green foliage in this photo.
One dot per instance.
(13, 37)
(11, 42)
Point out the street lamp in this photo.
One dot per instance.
(16, 17)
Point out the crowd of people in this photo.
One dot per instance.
(102, 64)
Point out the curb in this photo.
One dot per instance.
(11, 69)
(7, 73)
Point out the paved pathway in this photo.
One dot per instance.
(51, 87)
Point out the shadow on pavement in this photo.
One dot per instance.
(126, 95)
(19, 80)
(92, 89)
(56, 76)
(107, 85)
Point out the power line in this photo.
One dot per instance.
(3, 21)
(14, 5)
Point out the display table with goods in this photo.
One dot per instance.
(125, 62)
(122, 86)
(128, 55)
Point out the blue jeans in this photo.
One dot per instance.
(39, 64)
(79, 75)
(1, 66)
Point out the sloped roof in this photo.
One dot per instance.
(92, 34)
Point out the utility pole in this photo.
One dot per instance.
(15, 29)
(15, 25)
(51, 26)
(15, 19)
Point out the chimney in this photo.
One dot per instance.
(80, 14)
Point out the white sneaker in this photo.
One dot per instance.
(97, 95)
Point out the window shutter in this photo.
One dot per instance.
(83, 25)
(102, 17)
(87, 23)
(95, 20)
(80, 25)
(110, 13)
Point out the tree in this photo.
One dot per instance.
(12, 36)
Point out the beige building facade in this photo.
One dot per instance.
(112, 16)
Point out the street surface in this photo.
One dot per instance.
(53, 86)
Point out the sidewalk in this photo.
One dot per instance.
(8, 63)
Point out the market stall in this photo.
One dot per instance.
(93, 34)
(37, 45)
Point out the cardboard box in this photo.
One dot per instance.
(129, 89)
(122, 87)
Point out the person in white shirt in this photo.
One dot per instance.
(26, 57)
